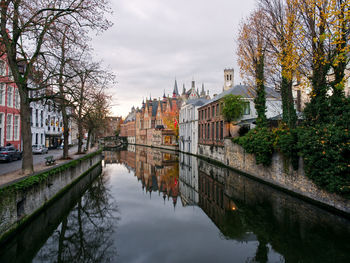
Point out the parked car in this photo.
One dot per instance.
(10, 153)
(37, 148)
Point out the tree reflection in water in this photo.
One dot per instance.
(86, 233)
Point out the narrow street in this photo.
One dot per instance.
(6, 167)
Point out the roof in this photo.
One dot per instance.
(154, 107)
(246, 92)
(197, 102)
(131, 117)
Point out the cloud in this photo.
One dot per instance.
(154, 41)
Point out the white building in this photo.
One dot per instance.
(46, 121)
(188, 125)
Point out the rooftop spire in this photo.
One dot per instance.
(176, 91)
(183, 89)
(202, 92)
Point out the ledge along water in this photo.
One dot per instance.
(151, 205)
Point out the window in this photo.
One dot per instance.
(31, 116)
(42, 119)
(208, 131)
(246, 109)
(37, 118)
(217, 109)
(9, 96)
(41, 139)
(9, 127)
(217, 131)
(2, 68)
(16, 127)
(212, 131)
(221, 130)
(36, 138)
(17, 99)
(2, 93)
(213, 111)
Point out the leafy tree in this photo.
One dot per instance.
(170, 119)
(233, 107)
(282, 24)
(252, 46)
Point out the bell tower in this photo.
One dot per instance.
(228, 78)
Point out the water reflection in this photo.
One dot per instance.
(157, 170)
(85, 234)
(245, 210)
(283, 228)
(179, 209)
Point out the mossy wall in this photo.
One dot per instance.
(280, 173)
(25, 197)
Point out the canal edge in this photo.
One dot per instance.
(24, 221)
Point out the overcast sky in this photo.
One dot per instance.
(154, 41)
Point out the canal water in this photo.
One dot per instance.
(151, 205)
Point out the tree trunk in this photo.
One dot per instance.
(80, 138)
(80, 115)
(88, 140)
(260, 98)
(26, 132)
(65, 133)
(63, 100)
(289, 113)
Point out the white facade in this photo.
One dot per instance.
(273, 109)
(38, 122)
(188, 125)
(46, 122)
(188, 183)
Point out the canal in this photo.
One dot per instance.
(150, 205)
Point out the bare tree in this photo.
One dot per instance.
(24, 27)
(95, 118)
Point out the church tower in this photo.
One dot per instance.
(228, 78)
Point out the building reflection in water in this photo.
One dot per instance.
(188, 174)
(157, 171)
(283, 227)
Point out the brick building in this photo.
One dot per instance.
(151, 129)
(112, 126)
(128, 127)
(212, 127)
(10, 121)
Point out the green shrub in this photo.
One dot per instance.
(258, 141)
(326, 153)
(285, 142)
(233, 107)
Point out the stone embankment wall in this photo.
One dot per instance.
(21, 200)
(280, 173)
